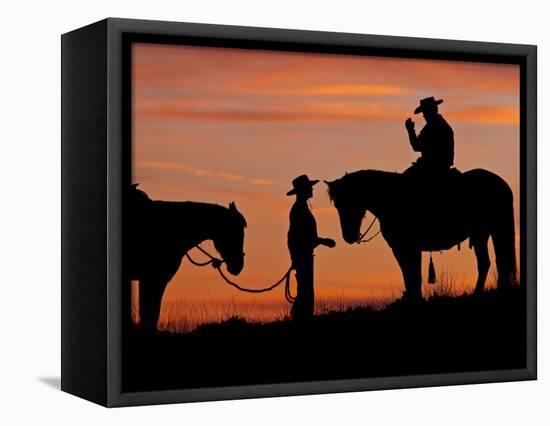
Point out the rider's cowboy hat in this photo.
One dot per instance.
(300, 183)
(427, 103)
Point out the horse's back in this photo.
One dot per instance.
(444, 210)
(454, 185)
(482, 183)
(158, 233)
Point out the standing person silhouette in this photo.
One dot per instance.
(435, 141)
(302, 240)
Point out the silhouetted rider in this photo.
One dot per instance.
(302, 240)
(435, 141)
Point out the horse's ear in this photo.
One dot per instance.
(232, 206)
(346, 174)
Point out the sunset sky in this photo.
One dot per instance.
(220, 125)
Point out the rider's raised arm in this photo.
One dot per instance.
(414, 140)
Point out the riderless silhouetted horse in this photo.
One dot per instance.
(418, 216)
(161, 233)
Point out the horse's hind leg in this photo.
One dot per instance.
(150, 297)
(483, 261)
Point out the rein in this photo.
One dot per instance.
(362, 236)
(217, 263)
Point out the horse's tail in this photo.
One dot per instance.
(504, 241)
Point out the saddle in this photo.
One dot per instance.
(433, 192)
(423, 170)
(435, 200)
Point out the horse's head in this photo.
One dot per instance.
(351, 212)
(229, 240)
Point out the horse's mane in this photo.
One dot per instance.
(350, 183)
(200, 208)
(231, 210)
(140, 198)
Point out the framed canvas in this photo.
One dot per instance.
(254, 212)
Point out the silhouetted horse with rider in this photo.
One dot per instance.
(431, 206)
(478, 205)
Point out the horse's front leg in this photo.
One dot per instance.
(410, 262)
(150, 298)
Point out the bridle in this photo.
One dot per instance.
(362, 235)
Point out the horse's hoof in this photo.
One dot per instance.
(410, 300)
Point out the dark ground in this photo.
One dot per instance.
(441, 335)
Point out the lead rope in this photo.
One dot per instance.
(217, 263)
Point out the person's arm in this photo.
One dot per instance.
(327, 242)
(413, 139)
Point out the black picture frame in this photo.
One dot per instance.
(96, 166)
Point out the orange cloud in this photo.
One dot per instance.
(344, 90)
(318, 111)
(487, 115)
(500, 85)
(197, 171)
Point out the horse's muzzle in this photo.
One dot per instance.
(352, 239)
(234, 269)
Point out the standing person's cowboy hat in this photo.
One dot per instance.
(300, 183)
(427, 103)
